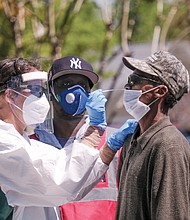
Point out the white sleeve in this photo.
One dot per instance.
(40, 175)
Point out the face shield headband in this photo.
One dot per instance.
(34, 82)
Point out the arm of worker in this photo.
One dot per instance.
(116, 140)
(36, 174)
(96, 110)
(95, 107)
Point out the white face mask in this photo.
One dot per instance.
(133, 106)
(35, 109)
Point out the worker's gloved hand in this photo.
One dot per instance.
(95, 107)
(117, 139)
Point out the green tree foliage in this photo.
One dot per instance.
(86, 34)
(142, 20)
(25, 26)
(48, 29)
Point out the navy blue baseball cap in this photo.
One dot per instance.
(72, 65)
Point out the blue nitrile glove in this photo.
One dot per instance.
(95, 107)
(116, 140)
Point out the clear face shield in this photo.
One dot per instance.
(29, 99)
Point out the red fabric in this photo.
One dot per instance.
(104, 182)
(89, 210)
(33, 136)
(93, 210)
(102, 141)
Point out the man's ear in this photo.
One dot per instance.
(161, 91)
(9, 95)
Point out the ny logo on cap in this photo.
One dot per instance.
(76, 63)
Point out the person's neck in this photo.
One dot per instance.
(149, 119)
(66, 127)
(20, 127)
(7, 115)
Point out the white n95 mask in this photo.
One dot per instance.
(35, 109)
(133, 106)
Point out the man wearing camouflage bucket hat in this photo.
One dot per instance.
(154, 170)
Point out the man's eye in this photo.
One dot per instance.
(66, 84)
(63, 84)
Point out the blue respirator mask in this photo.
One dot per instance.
(73, 100)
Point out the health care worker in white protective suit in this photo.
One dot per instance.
(36, 174)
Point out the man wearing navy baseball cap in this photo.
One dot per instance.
(71, 79)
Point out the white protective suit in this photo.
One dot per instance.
(36, 174)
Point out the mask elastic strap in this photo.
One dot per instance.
(113, 90)
(18, 93)
(72, 87)
(53, 92)
(13, 104)
(27, 97)
(77, 108)
(150, 90)
(17, 107)
(153, 102)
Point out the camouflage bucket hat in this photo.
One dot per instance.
(167, 68)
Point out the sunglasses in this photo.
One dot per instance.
(35, 90)
(135, 79)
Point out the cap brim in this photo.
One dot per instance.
(141, 65)
(93, 77)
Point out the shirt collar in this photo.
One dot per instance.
(151, 131)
